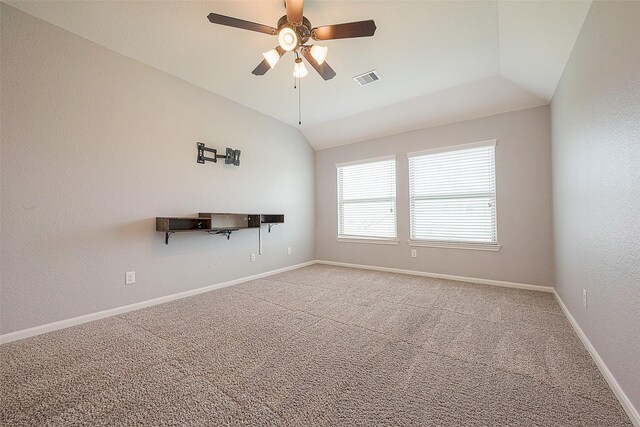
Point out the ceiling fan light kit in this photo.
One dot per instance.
(299, 70)
(288, 38)
(319, 53)
(272, 57)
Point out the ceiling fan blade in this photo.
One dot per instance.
(264, 66)
(294, 10)
(345, 31)
(239, 23)
(325, 71)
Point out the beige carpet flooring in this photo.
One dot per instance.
(317, 346)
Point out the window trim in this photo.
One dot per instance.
(346, 238)
(493, 247)
(487, 143)
(371, 160)
(369, 240)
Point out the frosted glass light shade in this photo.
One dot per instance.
(299, 70)
(272, 57)
(319, 53)
(288, 39)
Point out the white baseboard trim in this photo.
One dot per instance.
(631, 411)
(49, 327)
(443, 276)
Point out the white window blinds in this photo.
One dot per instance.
(367, 199)
(452, 194)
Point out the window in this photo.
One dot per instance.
(452, 195)
(367, 200)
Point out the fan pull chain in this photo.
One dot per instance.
(299, 104)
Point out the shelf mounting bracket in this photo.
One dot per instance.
(166, 237)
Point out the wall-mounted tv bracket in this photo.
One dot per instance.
(231, 157)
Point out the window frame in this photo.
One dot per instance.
(368, 239)
(492, 246)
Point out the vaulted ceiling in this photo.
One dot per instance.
(440, 61)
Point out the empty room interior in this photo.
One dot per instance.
(320, 213)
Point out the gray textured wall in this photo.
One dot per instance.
(523, 175)
(596, 186)
(95, 146)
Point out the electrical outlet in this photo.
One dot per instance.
(253, 257)
(584, 298)
(414, 253)
(288, 251)
(130, 278)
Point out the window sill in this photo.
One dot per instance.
(367, 240)
(452, 245)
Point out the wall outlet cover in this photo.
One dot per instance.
(288, 251)
(130, 278)
(414, 253)
(253, 257)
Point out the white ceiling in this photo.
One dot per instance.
(440, 61)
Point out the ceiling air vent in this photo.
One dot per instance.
(366, 78)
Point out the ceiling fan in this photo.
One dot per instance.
(294, 30)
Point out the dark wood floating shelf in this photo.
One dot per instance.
(216, 223)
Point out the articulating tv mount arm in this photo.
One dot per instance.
(232, 157)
